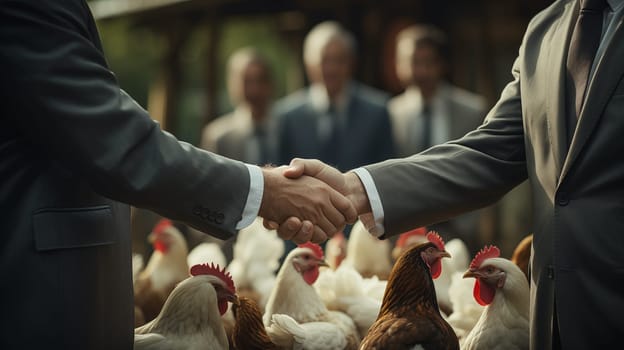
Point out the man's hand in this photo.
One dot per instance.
(325, 210)
(348, 184)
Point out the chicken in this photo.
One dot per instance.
(367, 254)
(458, 263)
(336, 250)
(295, 315)
(345, 290)
(522, 254)
(191, 316)
(166, 267)
(466, 310)
(409, 317)
(249, 332)
(502, 287)
(407, 240)
(206, 252)
(257, 252)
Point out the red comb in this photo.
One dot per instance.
(214, 270)
(162, 225)
(486, 253)
(318, 251)
(404, 237)
(435, 238)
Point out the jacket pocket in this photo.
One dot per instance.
(66, 228)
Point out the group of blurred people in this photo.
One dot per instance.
(341, 121)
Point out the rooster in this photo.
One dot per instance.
(166, 267)
(191, 316)
(295, 315)
(409, 317)
(249, 332)
(504, 291)
(522, 254)
(367, 254)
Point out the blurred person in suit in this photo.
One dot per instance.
(247, 133)
(75, 151)
(336, 119)
(431, 110)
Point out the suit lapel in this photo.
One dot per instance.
(556, 92)
(609, 71)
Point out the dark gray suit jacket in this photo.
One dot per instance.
(73, 146)
(578, 194)
(367, 135)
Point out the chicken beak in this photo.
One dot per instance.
(151, 237)
(471, 273)
(233, 298)
(322, 262)
(445, 254)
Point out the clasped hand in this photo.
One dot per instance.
(310, 201)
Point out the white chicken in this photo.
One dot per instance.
(345, 290)
(257, 252)
(206, 253)
(191, 316)
(307, 323)
(367, 254)
(503, 288)
(466, 310)
(460, 257)
(166, 267)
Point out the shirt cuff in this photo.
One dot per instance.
(374, 222)
(254, 198)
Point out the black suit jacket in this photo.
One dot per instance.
(73, 146)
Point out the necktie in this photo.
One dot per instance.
(426, 126)
(583, 46)
(260, 135)
(330, 149)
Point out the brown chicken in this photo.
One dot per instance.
(522, 255)
(249, 332)
(409, 315)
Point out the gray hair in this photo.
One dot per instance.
(320, 36)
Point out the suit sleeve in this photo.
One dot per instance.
(457, 176)
(69, 106)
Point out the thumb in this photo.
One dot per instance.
(299, 167)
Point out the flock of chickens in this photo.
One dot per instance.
(359, 293)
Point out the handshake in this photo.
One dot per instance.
(311, 201)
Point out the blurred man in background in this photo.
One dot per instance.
(246, 133)
(431, 111)
(335, 119)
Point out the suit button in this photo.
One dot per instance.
(562, 199)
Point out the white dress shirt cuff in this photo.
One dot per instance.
(254, 198)
(373, 222)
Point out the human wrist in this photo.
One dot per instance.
(357, 194)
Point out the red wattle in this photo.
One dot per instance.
(223, 305)
(436, 269)
(311, 275)
(160, 246)
(483, 293)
